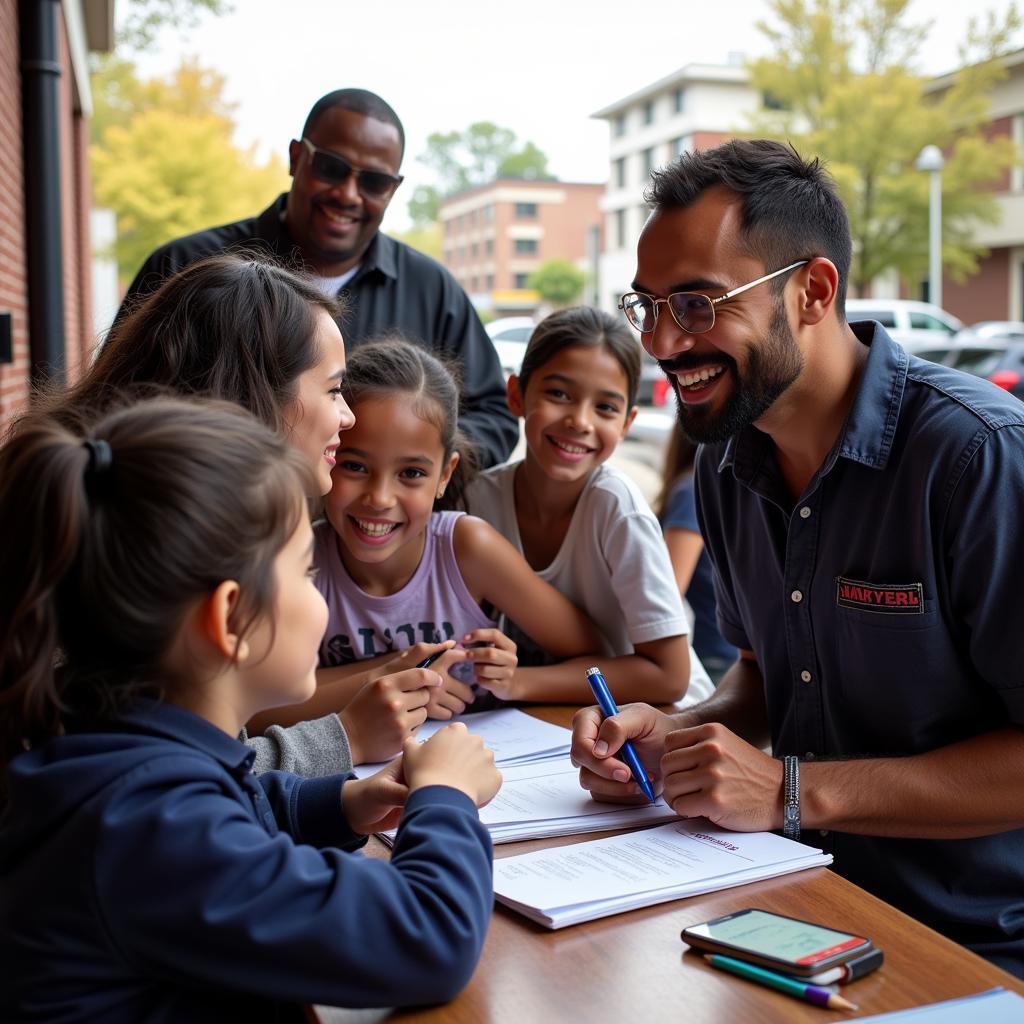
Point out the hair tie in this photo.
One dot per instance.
(101, 458)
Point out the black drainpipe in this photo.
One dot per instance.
(40, 83)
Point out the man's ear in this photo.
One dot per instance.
(514, 393)
(294, 152)
(215, 615)
(818, 295)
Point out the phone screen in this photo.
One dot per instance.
(777, 937)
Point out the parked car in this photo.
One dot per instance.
(510, 335)
(915, 325)
(1000, 361)
(993, 330)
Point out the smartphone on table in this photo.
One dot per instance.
(780, 943)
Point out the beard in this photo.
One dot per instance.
(772, 366)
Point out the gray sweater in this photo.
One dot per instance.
(311, 749)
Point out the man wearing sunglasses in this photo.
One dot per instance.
(862, 513)
(345, 171)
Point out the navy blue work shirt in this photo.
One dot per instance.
(884, 609)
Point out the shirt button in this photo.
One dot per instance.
(805, 676)
(805, 513)
(809, 756)
(823, 832)
(796, 597)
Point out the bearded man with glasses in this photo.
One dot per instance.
(861, 508)
(345, 171)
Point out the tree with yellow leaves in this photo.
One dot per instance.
(164, 159)
(841, 84)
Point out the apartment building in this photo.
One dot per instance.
(694, 108)
(496, 235)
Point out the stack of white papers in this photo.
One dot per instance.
(571, 884)
(515, 737)
(541, 800)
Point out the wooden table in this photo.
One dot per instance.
(631, 968)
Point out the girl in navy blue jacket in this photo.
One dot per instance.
(156, 594)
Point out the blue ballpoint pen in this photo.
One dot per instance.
(627, 753)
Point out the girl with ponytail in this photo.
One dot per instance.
(157, 593)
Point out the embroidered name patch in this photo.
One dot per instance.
(890, 598)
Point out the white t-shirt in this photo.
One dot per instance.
(613, 562)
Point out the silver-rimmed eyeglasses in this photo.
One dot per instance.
(694, 312)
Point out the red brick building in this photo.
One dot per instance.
(45, 306)
(496, 235)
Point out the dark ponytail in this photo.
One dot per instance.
(111, 532)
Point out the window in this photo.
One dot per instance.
(649, 112)
(647, 162)
(679, 101)
(488, 213)
(620, 229)
(489, 247)
(490, 282)
(681, 145)
(472, 218)
(927, 322)
(526, 211)
(521, 281)
(472, 283)
(620, 125)
(526, 246)
(619, 171)
(473, 251)
(772, 102)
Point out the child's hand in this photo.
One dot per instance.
(453, 757)
(452, 696)
(386, 712)
(374, 804)
(409, 658)
(494, 660)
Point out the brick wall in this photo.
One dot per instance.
(13, 285)
(75, 204)
(74, 187)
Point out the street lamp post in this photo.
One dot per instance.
(930, 160)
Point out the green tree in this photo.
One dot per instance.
(558, 282)
(144, 19)
(476, 156)
(164, 161)
(844, 87)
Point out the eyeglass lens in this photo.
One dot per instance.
(692, 311)
(335, 169)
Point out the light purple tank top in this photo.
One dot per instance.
(434, 605)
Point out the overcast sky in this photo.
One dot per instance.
(540, 67)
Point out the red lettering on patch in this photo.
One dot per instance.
(887, 598)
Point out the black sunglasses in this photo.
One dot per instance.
(334, 170)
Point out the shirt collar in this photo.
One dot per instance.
(381, 255)
(162, 719)
(870, 426)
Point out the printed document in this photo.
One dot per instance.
(570, 884)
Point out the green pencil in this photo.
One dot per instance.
(791, 986)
